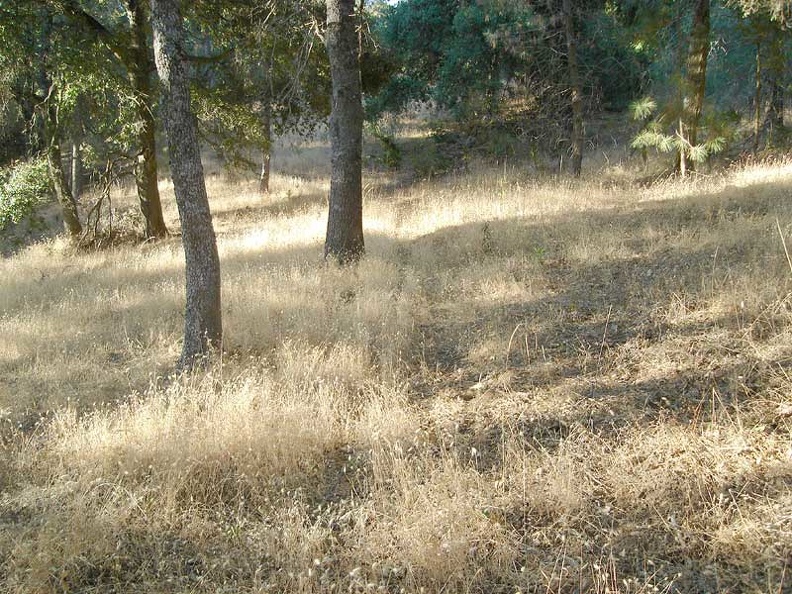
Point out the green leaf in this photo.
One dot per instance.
(23, 187)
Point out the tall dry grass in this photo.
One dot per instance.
(533, 386)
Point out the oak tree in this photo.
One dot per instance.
(128, 40)
(203, 329)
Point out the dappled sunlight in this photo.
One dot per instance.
(251, 424)
(273, 238)
(778, 170)
(522, 382)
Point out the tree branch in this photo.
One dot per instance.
(110, 39)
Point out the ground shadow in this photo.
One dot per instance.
(583, 324)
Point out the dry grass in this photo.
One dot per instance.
(526, 386)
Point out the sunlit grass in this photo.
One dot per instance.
(526, 385)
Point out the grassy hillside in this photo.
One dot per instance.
(526, 386)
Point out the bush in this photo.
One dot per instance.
(24, 186)
(391, 153)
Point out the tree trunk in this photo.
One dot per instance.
(576, 160)
(360, 27)
(680, 57)
(71, 219)
(146, 177)
(76, 169)
(75, 157)
(758, 97)
(344, 241)
(696, 74)
(264, 177)
(202, 319)
(683, 153)
(776, 71)
(48, 109)
(266, 152)
(136, 56)
(140, 68)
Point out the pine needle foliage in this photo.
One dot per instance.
(655, 133)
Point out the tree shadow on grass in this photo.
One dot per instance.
(269, 207)
(595, 306)
(629, 335)
(589, 324)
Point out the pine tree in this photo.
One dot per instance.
(344, 241)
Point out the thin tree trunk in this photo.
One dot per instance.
(576, 160)
(266, 152)
(683, 153)
(362, 17)
(146, 177)
(140, 68)
(264, 177)
(696, 74)
(775, 115)
(758, 97)
(344, 241)
(75, 158)
(76, 169)
(71, 218)
(680, 57)
(203, 318)
(776, 70)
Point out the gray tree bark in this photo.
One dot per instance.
(203, 328)
(140, 67)
(344, 240)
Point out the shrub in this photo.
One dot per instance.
(24, 186)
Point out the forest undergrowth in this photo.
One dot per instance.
(526, 386)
